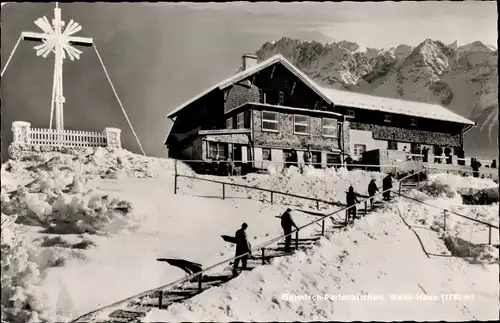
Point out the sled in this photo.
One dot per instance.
(229, 239)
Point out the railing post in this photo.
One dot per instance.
(366, 207)
(160, 299)
(199, 282)
(400, 186)
(346, 217)
(223, 191)
(317, 204)
(444, 220)
(297, 240)
(272, 199)
(263, 255)
(323, 227)
(489, 235)
(418, 179)
(175, 177)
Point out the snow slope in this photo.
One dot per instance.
(73, 271)
(379, 258)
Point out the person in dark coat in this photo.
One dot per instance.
(447, 153)
(425, 152)
(348, 161)
(372, 189)
(475, 165)
(439, 153)
(242, 247)
(287, 224)
(351, 200)
(387, 184)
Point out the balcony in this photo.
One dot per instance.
(234, 136)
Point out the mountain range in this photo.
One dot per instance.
(463, 78)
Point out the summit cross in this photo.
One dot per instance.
(59, 41)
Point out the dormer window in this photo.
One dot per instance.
(414, 122)
(387, 118)
(350, 113)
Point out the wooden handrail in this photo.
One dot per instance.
(260, 189)
(258, 248)
(449, 211)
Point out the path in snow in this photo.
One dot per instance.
(380, 256)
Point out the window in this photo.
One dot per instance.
(269, 121)
(217, 150)
(266, 154)
(329, 127)
(281, 97)
(229, 123)
(413, 122)
(350, 113)
(316, 159)
(359, 150)
(387, 118)
(332, 159)
(240, 120)
(301, 124)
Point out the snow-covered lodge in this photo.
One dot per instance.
(258, 115)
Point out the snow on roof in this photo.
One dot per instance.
(397, 106)
(246, 73)
(339, 97)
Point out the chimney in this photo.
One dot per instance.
(249, 60)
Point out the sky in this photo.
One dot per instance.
(159, 55)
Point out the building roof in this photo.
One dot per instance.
(339, 97)
(390, 105)
(249, 72)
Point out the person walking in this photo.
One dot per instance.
(242, 247)
(386, 185)
(372, 189)
(287, 223)
(351, 200)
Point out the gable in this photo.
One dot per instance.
(243, 75)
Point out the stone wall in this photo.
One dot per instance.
(286, 138)
(239, 94)
(409, 135)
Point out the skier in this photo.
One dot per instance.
(372, 188)
(387, 184)
(351, 200)
(242, 247)
(287, 224)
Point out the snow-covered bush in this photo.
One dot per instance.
(92, 163)
(485, 254)
(20, 276)
(59, 202)
(437, 189)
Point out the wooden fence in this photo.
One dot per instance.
(66, 138)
